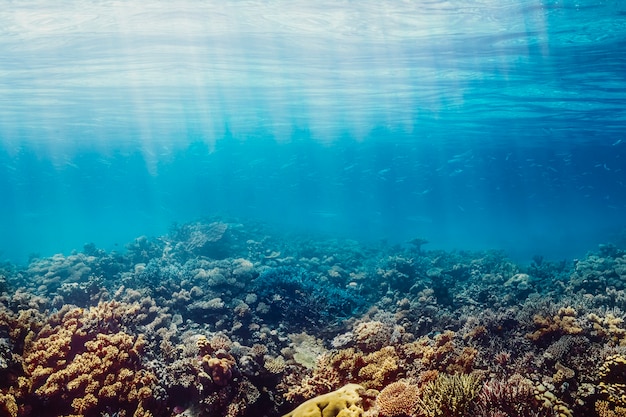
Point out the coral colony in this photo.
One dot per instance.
(223, 319)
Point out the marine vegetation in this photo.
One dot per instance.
(218, 318)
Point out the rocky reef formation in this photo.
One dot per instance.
(223, 319)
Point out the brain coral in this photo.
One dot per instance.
(398, 399)
(344, 402)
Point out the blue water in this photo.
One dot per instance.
(473, 124)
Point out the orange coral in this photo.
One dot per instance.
(441, 353)
(220, 367)
(398, 399)
(564, 322)
(72, 361)
(373, 371)
(381, 368)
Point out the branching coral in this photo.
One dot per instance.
(297, 294)
(449, 395)
(8, 405)
(77, 366)
(381, 367)
(603, 408)
(612, 375)
(441, 353)
(609, 327)
(512, 397)
(374, 370)
(564, 322)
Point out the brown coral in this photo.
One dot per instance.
(398, 399)
(220, 367)
(449, 395)
(564, 322)
(612, 375)
(77, 367)
(381, 368)
(609, 327)
(603, 408)
(513, 397)
(441, 353)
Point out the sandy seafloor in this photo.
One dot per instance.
(223, 318)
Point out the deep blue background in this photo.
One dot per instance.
(498, 125)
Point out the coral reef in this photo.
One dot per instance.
(81, 358)
(221, 319)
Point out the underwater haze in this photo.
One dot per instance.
(473, 124)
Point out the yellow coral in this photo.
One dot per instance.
(603, 408)
(562, 374)
(8, 405)
(344, 402)
(612, 375)
(449, 395)
(548, 400)
(609, 326)
(381, 367)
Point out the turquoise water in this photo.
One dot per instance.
(473, 124)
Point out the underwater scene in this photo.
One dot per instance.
(411, 208)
